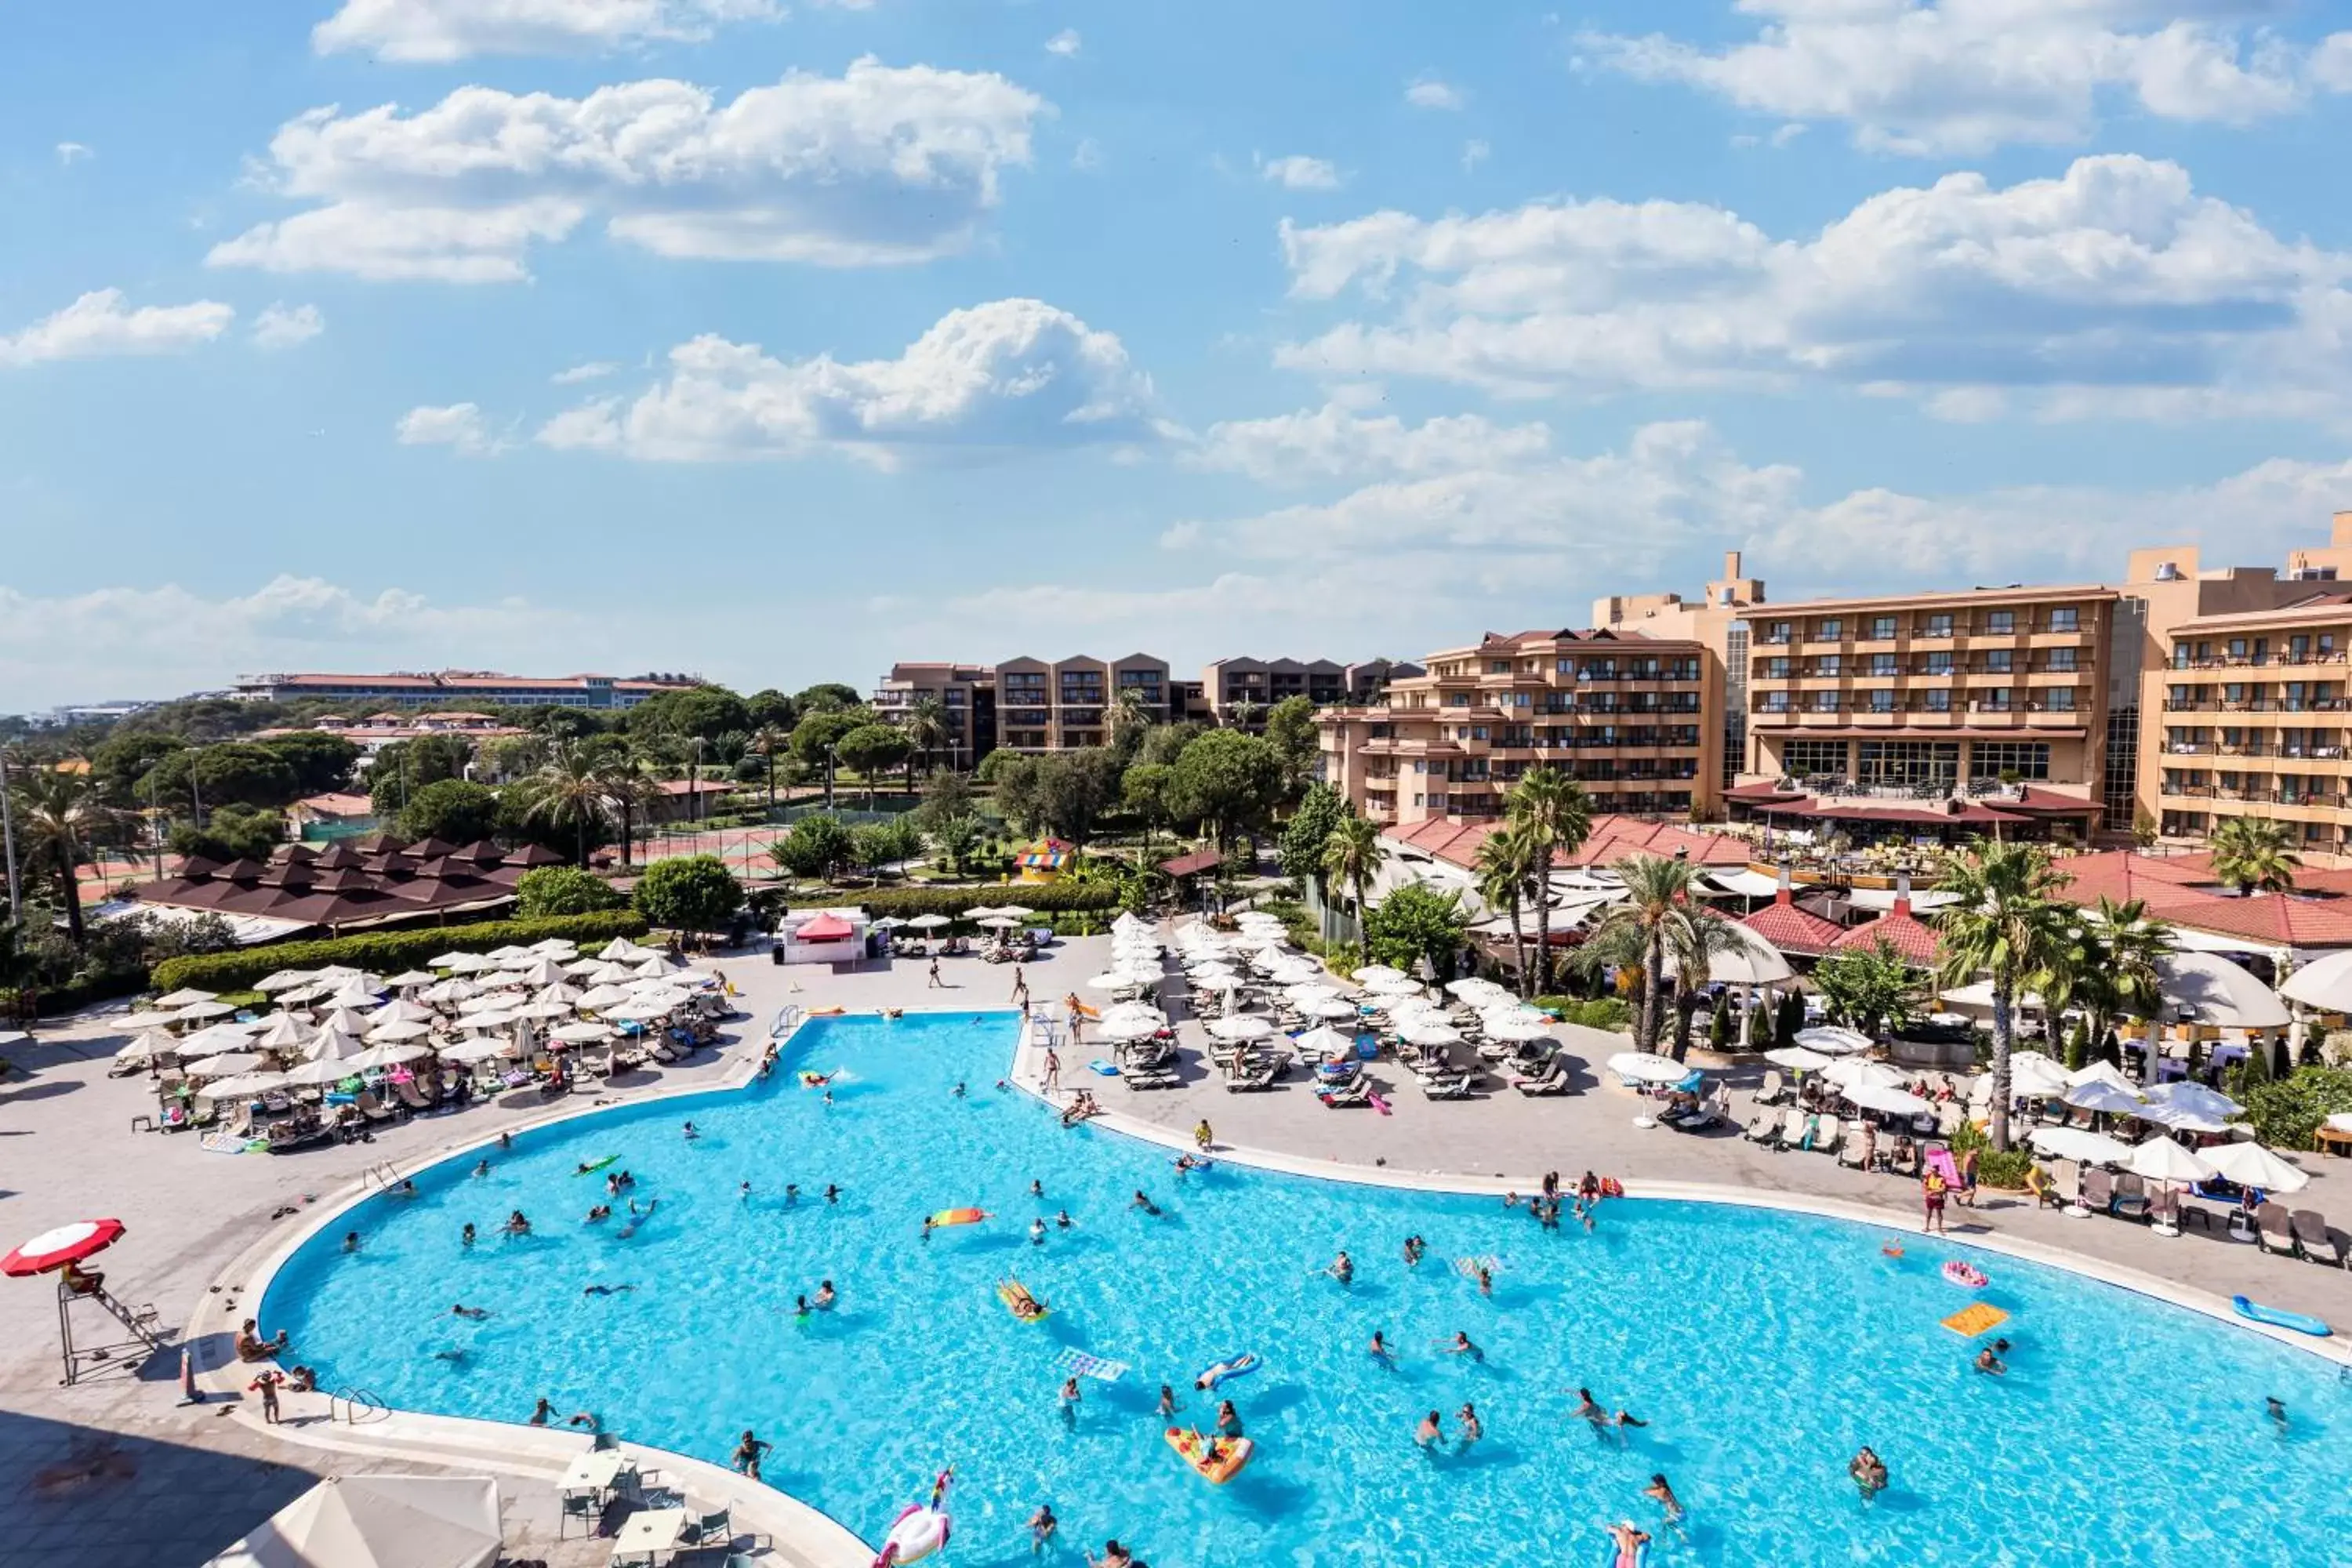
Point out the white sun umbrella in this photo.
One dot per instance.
(543, 1010)
(1326, 1042)
(200, 1012)
(408, 978)
(356, 993)
(580, 968)
(1645, 1066)
(2180, 1119)
(148, 1019)
(227, 1064)
(1891, 1102)
(2101, 1096)
(556, 947)
(2186, 1094)
(619, 947)
(1474, 986)
(2103, 1072)
(1126, 919)
(998, 923)
(316, 1074)
(543, 970)
(1851, 1073)
(2161, 1159)
(284, 1031)
(480, 1048)
(929, 922)
(581, 1033)
(560, 992)
(1390, 984)
(458, 991)
(1833, 1039)
(336, 974)
(599, 996)
(611, 974)
(1242, 1028)
(397, 1031)
(402, 1011)
(2206, 988)
(349, 1019)
(243, 1085)
(1112, 980)
(982, 912)
(1126, 1030)
(1372, 972)
(1133, 1013)
(2324, 982)
(484, 1001)
(654, 966)
(1303, 992)
(2037, 1073)
(489, 1018)
(640, 1011)
(1296, 971)
(1751, 962)
(1798, 1058)
(1328, 1008)
(1215, 969)
(508, 951)
(187, 996)
(2077, 1143)
(2251, 1165)
(463, 963)
(213, 1041)
(305, 996)
(1514, 1026)
(284, 980)
(144, 1048)
(1428, 1032)
(506, 979)
(333, 1045)
(388, 1054)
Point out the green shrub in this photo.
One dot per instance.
(2003, 1168)
(2286, 1114)
(387, 952)
(1609, 1014)
(690, 892)
(547, 891)
(1045, 897)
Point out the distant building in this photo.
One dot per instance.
(377, 730)
(437, 689)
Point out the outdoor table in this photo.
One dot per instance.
(2335, 1140)
(649, 1534)
(598, 1470)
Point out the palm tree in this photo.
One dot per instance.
(56, 814)
(569, 789)
(2005, 920)
(770, 740)
(1509, 876)
(1128, 714)
(2255, 854)
(1556, 814)
(927, 726)
(1660, 919)
(629, 791)
(2107, 966)
(1351, 856)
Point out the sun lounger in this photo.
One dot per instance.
(1445, 1086)
(1691, 1118)
(2099, 1190)
(1554, 1080)
(1793, 1123)
(1771, 1091)
(1765, 1126)
(406, 1092)
(1244, 1079)
(1355, 1091)
(2131, 1197)
(2312, 1237)
(2274, 1229)
(371, 1106)
(1850, 1152)
(1826, 1134)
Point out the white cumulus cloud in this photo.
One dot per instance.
(1014, 374)
(2117, 281)
(1066, 43)
(1965, 76)
(439, 31)
(1299, 173)
(593, 370)
(281, 326)
(1428, 92)
(102, 323)
(1336, 442)
(880, 165)
(459, 426)
(73, 152)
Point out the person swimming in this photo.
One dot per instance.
(1431, 1432)
(1037, 1233)
(601, 1212)
(1041, 1526)
(505, 1142)
(1665, 1495)
(832, 1194)
(482, 1167)
(1062, 1220)
(960, 1091)
(1144, 1203)
(1168, 1405)
(466, 1236)
(801, 1307)
(825, 1296)
(517, 1224)
(692, 1132)
(1472, 1430)
(1590, 1410)
(1070, 1397)
(475, 1314)
(1379, 1350)
(1989, 1359)
(1036, 1188)
(350, 1241)
(1868, 1472)
(2275, 1408)
(1628, 1540)
(1460, 1345)
(1413, 1247)
(1229, 1420)
(606, 1289)
(1343, 1269)
(1485, 1280)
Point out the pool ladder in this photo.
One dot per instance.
(788, 1017)
(382, 1175)
(350, 1402)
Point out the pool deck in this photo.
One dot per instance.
(124, 1475)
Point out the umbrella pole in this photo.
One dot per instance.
(65, 1330)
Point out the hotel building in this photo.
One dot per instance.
(443, 688)
(1240, 691)
(1625, 712)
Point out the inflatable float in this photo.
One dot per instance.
(814, 1080)
(2280, 1317)
(825, 1013)
(1214, 1459)
(1975, 1319)
(1627, 1548)
(920, 1530)
(1965, 1275)
(1020, 1303)
(592, 1166)
(1378, 1103)
(1225, 1371)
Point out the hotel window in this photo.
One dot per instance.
(2233, 692)
(2059, 699)
(1774, 702)
(1824, 702)
(1457, 699)
(1779, 631)
(1937, 701)
(1805, 758)
(1881, 664)
(1830, 630)
(1939, 624)
(1994, 699)
(1498, 667)
(1910, 763)
(1776, 668)
(1882, 700)
(1999, 660)
(1828, 665)
(2298, 648)
(2066, 620)
(2026, 758)
(2180, 655)
(1939, 664)
(2000, 622)
(1563, 666)
(2292, 698)
(1520, 699)
(2237, 650)
(1882, 628)
(2061, 658)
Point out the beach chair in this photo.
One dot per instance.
(371, 1106)
(710, 1530)
(1851, 1151)
(2099, 1190)
(2066, 1185)
(2131, 1197)
(1445, 1086)
(2313, 1237)
(1762, 1129)
(406, 1092)
(1772, 1090)
(1244, 1079)
(1826, 1134)
(1355, 1091)
(1793, 1122)
(2273, 1229)
(1552, 1080)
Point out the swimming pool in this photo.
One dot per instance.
(1761, 1347)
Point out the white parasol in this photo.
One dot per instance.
(1645, 1066)
(2251, 1165)
(1242, 1027)
(2159, 1159)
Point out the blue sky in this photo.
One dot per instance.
(778, 341)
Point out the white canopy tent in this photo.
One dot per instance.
(378, 1522)
(2206, 988)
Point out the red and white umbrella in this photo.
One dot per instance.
(66, 1244)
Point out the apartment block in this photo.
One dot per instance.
(1623, 711)
(1714, 622)
(439, 688)
(966, 695)
(1240, 691)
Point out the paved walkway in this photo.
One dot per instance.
(117, 1473)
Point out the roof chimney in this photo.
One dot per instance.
(1903, 892)
(1731, 565)
(1786, 892)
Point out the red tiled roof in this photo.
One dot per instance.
(1911, 938)
(2283, 919)
(1972, 814)
(1793, 930)
(1613, 837)
(1188, 865)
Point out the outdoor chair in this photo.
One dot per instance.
(2273, 1229)
(1826, 1134)
(1243, 1080)
(2312, 1236)
(711, 1530)
(586, 1508)
(1793, 1123)
(1355, 1091)
(1771, 1091)
(1445, 1086)
(2099, 1190)
(1853, 1153)
(1553, 1080)
(2131, 1197)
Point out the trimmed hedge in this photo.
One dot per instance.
(1045, 897)
(386, 953)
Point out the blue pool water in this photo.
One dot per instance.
(1762, 1348)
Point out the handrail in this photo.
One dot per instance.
(383, 1174)
(789, 1017)
(353, 1400)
